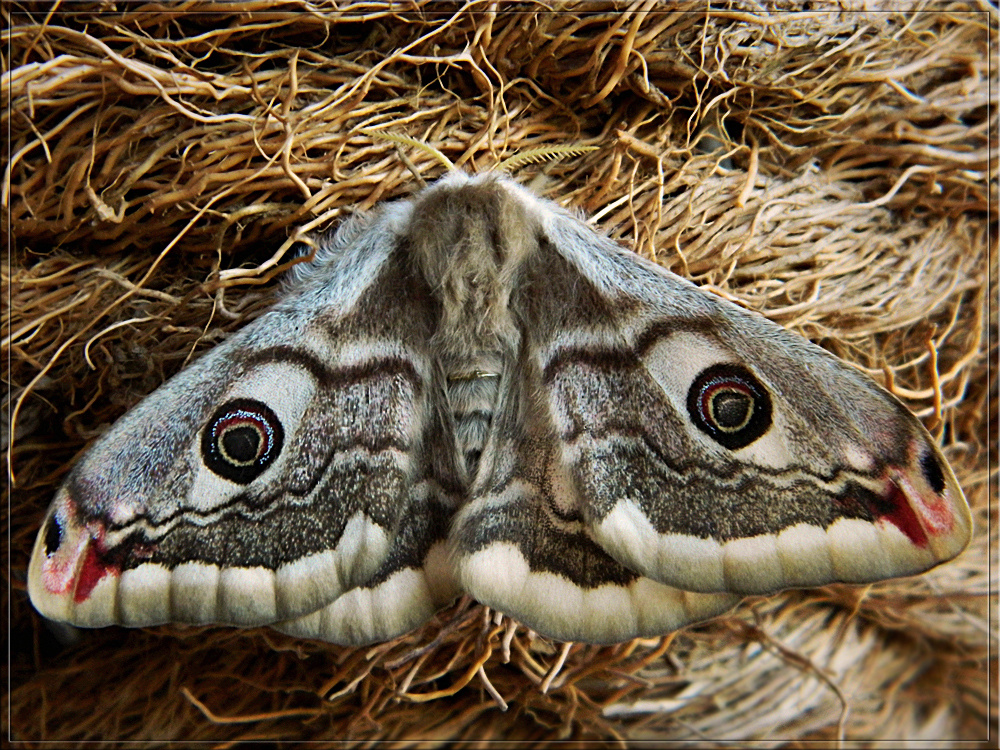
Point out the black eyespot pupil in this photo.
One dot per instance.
(53, 535)
(241, 440)
(932, 472)
(731, 409)
(241, 444)
(729, 404)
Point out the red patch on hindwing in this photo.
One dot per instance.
(77, 556)
(916, 502)
(902, 515)
(91, 571)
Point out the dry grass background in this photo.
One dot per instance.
(829, 168)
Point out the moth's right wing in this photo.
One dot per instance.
(654, 431)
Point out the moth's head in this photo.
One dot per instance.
(469, 238)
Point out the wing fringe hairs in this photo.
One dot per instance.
(472, 391)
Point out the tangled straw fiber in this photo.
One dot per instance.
(827, 167)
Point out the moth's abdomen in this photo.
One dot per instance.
(472, 397)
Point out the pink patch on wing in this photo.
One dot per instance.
(939, 517)
(75, 566)
(57, 573)
(91, 572)
(935, 510)
(59, 567)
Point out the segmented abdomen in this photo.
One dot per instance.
(472, 397)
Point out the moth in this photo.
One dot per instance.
(473, 391)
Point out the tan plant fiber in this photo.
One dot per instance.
(830, 168)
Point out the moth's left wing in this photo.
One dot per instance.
(276, 477)
(690, 442)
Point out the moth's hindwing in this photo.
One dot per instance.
(269, 478)
(411, 584)
(523, 547)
